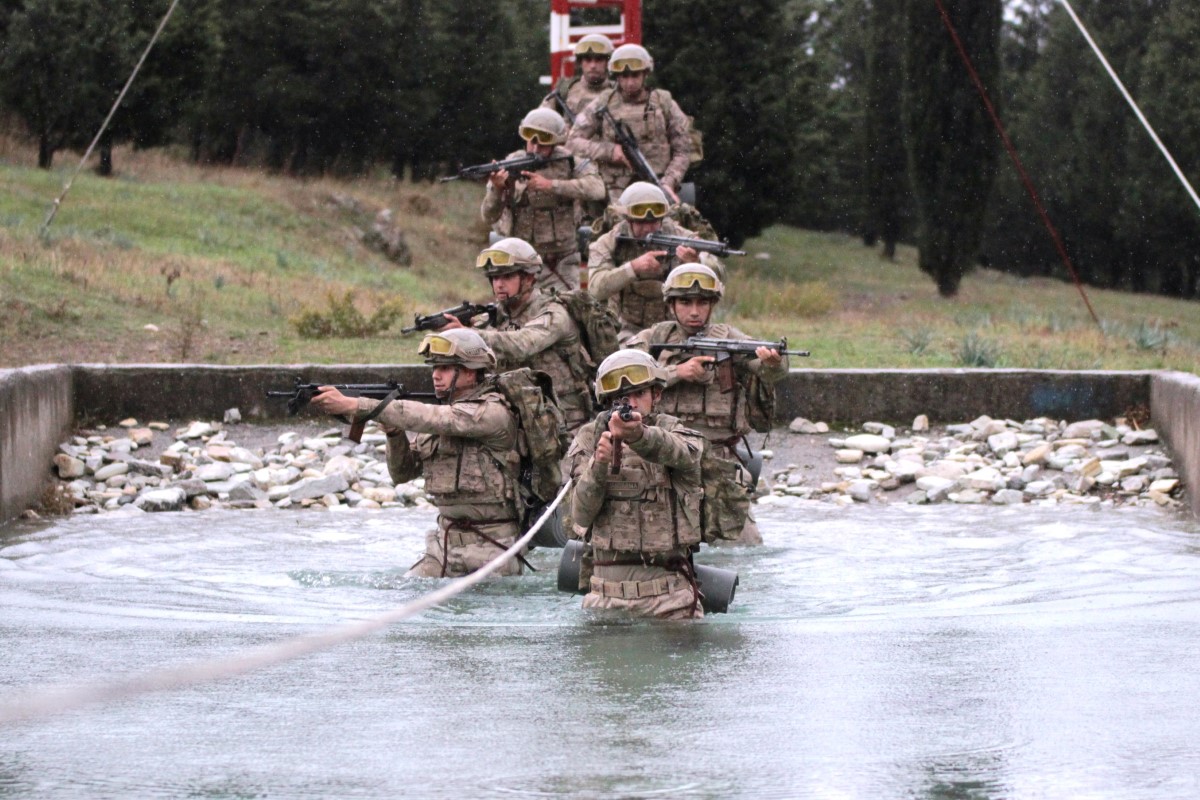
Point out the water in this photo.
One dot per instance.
(870, 653)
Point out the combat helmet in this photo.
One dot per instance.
(458, 346)
(594, 45)
(508, 256)
(543, 125)
(692, 280)
(630, 58)
(643, 200)
(627, 371)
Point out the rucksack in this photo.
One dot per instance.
(542, 438)
(598, 325)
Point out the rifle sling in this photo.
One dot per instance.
(356, 427)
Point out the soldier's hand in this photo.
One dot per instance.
(452, 322)
(629, 431)
(687, 255)
(538, 182)
(647, 264)
(331, 401)
(696, 370)
(769, 357)
(604, 448)
(618, 157)
(498, 179)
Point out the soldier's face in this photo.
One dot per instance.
(643, 400)
(594, 69)
(443, 379)
(692, 312)
(631, 83)
(543, 150)
(644, 227)
(506, 286)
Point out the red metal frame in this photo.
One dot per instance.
(563, 36)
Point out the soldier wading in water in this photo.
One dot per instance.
(643, 518)
(465, 448)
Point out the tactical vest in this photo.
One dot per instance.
(648, 121)
(544, 219)
(701, 405)
(565, 363)
(463, 472)
(640, 304)
(643, 511)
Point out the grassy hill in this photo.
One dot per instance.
(222, 261)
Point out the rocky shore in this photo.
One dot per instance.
(208, 465)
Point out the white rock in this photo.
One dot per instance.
(69, 467)
(314, 488)
(1164, 486)
(986, 479)
(217, 471)
(195, 430)
(966, 497)
(868, 443)
(1134, 483)
(1038, 454)
(345, 465)
(802, 425)
(936, 488)
(1008, 497)
(1148, 436)
(112, 470)
(920, 423)
(886, 431)
(860, 490)
(1003, 442)
(1082, 430)
(162, 500)
(848, 456)
(232, 415)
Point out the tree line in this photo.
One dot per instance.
(853, 115)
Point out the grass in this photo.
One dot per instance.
(221, 261)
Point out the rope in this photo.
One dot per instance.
(1016, 159)
(54, 700)
(67, 187)
(1132, 103)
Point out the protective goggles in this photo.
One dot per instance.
(495, 258)
(628, 65)
(650, 210)
(436, 345)
(535, 135)
(593, 49)
(633, 375)
(686, 280)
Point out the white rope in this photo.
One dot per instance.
(1132, 104)
(54, 700)
(67, 187)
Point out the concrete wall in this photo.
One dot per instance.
(38, 405)
(36, 414)
(1175, 409)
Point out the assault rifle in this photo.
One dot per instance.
(567, 113)
(526, 163)
(664, 241)
(464, 313)
(633, 152)
(302, 393)
(724, 351)
(623, 410)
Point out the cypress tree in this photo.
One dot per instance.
(951, 144)
(887, 165)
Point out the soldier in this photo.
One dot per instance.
(631, 274)
(662, 130)
(642, 521)
(541, 207)
(590, 79)
(534, 329)
(466, 449)
(692, 291)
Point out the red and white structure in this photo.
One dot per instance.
(563, 35)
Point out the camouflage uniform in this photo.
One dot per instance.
(542, 336)
(643, 521)
(547, 220)
(577, 94)
(721, 419)
(663, 133)
(467, 451)
(639, 302)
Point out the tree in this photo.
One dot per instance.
(951, 144)
(886, 163)
(727, 66)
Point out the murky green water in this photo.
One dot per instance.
(871, 653)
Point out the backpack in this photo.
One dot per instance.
(541, 440)
(760, 404)
(598, 325)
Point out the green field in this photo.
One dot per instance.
(221, 261)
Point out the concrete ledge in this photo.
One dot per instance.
(108, 393)
(957, 395)
(1175, 409)
(36, 414)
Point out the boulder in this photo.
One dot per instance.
(170, 499)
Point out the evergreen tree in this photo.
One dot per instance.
(727, 66)
(951, 144)
(887, 166)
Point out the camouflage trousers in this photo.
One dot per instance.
(464, 551)
(560, 272)
(727, 493)
(641, 590)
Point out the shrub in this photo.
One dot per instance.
(342, 320)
